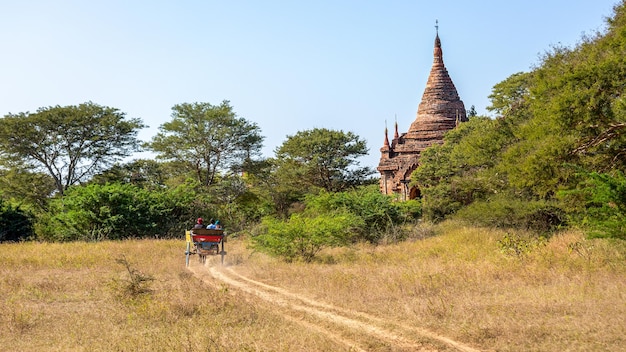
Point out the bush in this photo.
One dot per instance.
(136, 285)
(118, 211)
(519, 246)
(302, 237)
(15, 224)
(504, 212)
(378, 212)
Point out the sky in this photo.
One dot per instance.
(288, 66)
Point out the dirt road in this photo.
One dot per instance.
(355, 330)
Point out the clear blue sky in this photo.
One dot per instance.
(286, 65)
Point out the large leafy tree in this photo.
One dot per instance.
(70, 143)
(323, 158)
(207, 139)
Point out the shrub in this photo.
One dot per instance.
(302, 237)
(378, 212)
(118, 211)
(505, 212)
(136, 285)
(15, 224)
(517, 245)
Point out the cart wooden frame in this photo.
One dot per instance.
(204, 242)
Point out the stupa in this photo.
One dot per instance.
(439, 111)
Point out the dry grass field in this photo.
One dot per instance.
(487, 289)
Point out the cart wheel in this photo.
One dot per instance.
(223, 252)
(187, 254)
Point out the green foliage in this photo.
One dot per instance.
(511, 95)
(302, 237)
(15, 224)
(576, 114)
(599, 204)
(144, 173)
(31, 190)
(118, 211)
(236, 204)
(322, 158)
(69, 143)
(459, 172)
(207, 139)
(567, 115)
(508, 212)
(378, 211)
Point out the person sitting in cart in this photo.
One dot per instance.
(212, 225)
(199, 224)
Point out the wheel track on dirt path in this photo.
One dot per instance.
(350, 344)
(402, 335)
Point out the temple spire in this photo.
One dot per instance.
(438, 54)
(439, 111)
(386, 144)
(396, 135)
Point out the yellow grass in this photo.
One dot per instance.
(69, 297)
(566, 294)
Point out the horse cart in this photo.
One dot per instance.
(204, 242)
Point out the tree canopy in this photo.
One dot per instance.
(69, 143)
(558, 141)
(323, 158)
(207, 139)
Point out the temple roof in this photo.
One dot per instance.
(441, 109)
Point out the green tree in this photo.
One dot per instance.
(208, 139)
(322, 158)
(31, 190)
(511, 95)
(471, 112)
(15, 223)
(69, 143)
(599, 204)
(378, 211)
(144, 173)
(460, 171)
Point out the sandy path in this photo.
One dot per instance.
(359, 329)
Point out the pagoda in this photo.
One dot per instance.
(440, 110)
